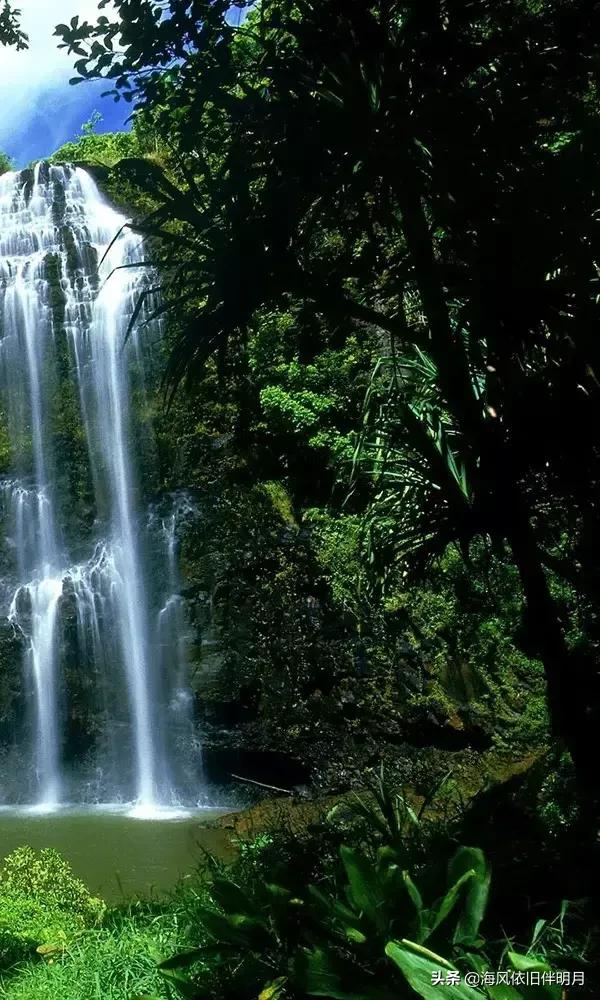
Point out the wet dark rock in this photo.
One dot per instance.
(409, 668)
(446, 733)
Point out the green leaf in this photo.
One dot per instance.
(235, 929)
(273, 990)
(499, 991)
(527, 963)
(387, 860)
(183, 960)
(467, 859)
(473, 911)
(420, 949)
(364, 884)
(333, 908)
(419, 971)
(416, 900)
(533, 963)
(231, 898)
(369, 813)
(49, 949)
(320, 975)
(355, 935)
(542, 992)
(537, 930)
(449, 901)
(186, 989)
(502, 992)
(413, 892)
(278, 892)
(251, 926)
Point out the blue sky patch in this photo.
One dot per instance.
(39, 110)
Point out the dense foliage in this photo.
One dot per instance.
(399, 182)
(374, 901)
(105, 148)
(43, 905)
(378, 267)
(10, 32)
(382, 904)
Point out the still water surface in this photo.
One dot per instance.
(117, 855)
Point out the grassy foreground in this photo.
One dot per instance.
(57, 940)
(114, 962)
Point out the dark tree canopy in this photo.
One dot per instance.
(433, 174)
(10, 32)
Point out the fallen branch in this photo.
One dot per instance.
(261, 784)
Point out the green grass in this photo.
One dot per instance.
(115, 962)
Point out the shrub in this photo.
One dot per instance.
(42, 904)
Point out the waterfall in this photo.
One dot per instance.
(68, 288)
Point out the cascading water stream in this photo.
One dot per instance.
(111, 310)
(60, 313)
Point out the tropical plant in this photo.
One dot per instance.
(379, 181)
(372, 930)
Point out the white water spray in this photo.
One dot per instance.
(56, 223)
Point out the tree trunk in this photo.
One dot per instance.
(573, 679)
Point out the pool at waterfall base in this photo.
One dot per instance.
(119, 855)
